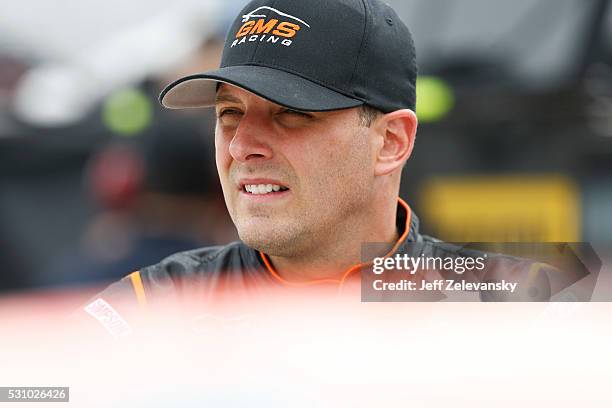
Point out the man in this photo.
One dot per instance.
(315, 104)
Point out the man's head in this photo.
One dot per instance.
(315, 99)
(328, 168)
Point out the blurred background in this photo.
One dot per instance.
(96, 180)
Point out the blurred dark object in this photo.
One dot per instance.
(12, 277)
(157, 194)
(180, 157)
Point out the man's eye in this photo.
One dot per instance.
(225, 112)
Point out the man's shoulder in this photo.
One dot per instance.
(119, 307)
(207, 262)
(196, 261)
(168, 276)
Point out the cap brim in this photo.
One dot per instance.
(280, 87)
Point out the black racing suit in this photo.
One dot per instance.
(202, 272)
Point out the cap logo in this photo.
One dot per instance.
(267, 24)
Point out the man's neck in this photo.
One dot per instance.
(340, 251)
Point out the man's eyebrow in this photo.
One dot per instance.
(226, 98)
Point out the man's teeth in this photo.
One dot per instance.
(263, 188)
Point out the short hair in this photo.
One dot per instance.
(368, 114)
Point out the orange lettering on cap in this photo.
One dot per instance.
(244, 30)
(261, 28)
(286, 30)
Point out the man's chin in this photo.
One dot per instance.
(270, 239)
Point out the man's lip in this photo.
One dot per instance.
(256, 181)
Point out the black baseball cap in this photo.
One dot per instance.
(311, 55)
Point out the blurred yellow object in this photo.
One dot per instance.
(519, 208)
(127, 112)
(435, 99)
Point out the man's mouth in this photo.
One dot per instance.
(261, 189)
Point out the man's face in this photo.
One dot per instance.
(291, 180)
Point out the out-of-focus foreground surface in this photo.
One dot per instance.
(291, 352)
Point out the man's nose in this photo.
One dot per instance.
(251, 139)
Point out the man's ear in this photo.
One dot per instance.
(398, 132)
